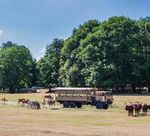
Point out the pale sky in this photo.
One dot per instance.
(35, 23)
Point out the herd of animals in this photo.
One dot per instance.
(133, 109)
(47, 100)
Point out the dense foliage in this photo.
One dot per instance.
(49, 65)
(110, 54)
(16, 65)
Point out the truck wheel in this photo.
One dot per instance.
(66, 105)
(79, 105)
(109, 102)
(105, 106)
(99, 105)
(72, 105)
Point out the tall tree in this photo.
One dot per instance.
(15, 66)
(70, 62)
(143, 53)
(49, 65)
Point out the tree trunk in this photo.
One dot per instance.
(149, 88)
(133, 88)
(11, 90)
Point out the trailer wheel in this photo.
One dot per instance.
(72, 105)
(99, 105)
(66, 105)
(105, 106)
(79, 105)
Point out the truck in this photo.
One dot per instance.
(72, 97)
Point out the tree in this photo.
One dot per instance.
(102, 53)
(70, 62)
(108, 54)
(49, 65)
(15, 66)
(120, 37)
(8, 44)
(143, 53)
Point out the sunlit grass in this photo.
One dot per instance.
(15, 97)
(86, 117)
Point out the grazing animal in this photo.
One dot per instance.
(25, 101)
(137, 108)
(21, 101)
(51, 102)
(145, 108)
(4, 100)
(129, 108)
(29, 104)
(34, 105)
(148, 106)
(43, 102)
(48, 97)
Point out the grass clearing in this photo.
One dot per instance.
(19, 121)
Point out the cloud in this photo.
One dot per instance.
(1, 32)
(42, 50)
(39, 57)
(41, 54)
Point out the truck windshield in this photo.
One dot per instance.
(109, 94)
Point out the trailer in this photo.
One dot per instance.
(72, 97)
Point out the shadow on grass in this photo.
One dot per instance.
(130, 94)
(55, 108)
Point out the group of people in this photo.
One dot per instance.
(134, 109)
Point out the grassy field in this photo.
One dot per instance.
(87, 121)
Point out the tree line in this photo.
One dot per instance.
(111, 54)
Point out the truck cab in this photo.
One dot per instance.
(104, 96)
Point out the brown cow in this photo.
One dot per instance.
(48, 97)
(144, 108)
(4, 100)
(26, 101)
(51, 102)
(129, 108)
(137, 108)
(148, 106)
(21, 101)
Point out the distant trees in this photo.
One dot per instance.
(103, 56)
(109, 54)
(16, 65)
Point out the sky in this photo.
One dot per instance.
(35, 23)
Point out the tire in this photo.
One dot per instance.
(66, 105)
(109, 102)
(105, 106)
(99, 105)
(72, 105)
(79, 105)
